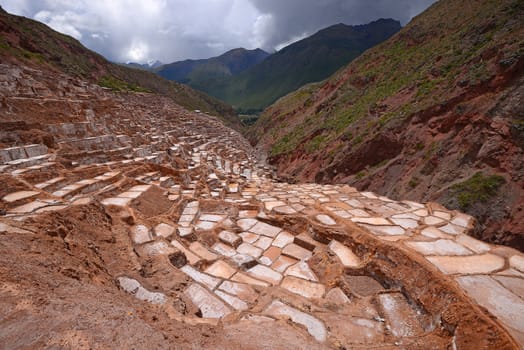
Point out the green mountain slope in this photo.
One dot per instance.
(434, 113)
(198, 73)
(308, 60)
(32, 43)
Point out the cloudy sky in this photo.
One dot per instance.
(171, 30)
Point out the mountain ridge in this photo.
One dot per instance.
(311, 59)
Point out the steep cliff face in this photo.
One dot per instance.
(434, 113)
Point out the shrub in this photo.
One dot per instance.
(478, 188)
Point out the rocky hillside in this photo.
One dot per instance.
(434, 113)
(27, 42)
(200, 73)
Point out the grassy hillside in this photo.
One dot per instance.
(419, 115)
(25, 41)
(308, 60)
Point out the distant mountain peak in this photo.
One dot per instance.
(199, 73)
(148, 65)
(154, 63)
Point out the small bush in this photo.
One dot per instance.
(317, 143)
(413, 182)
(120, 85)
(478, 188)
(360, 175)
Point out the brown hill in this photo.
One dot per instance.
(27, 42)
(434, 113)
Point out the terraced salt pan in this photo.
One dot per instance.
(224, 279)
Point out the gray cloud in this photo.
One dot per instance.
(169, 30)
(289, 19)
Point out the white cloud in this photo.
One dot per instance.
(169, 30)
(263, 28)
(63, 23)
(138, 51)
(290, 41)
